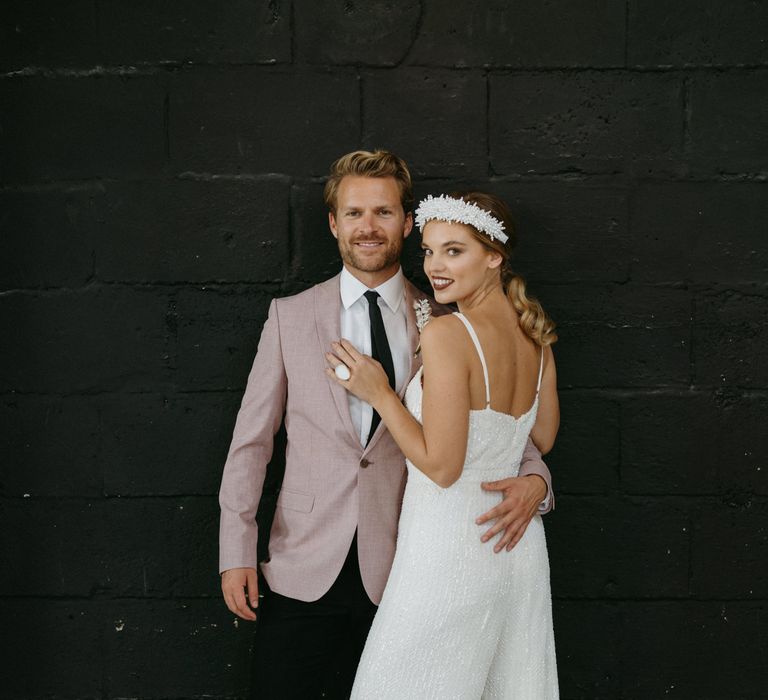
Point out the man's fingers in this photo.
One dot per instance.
(241, 606)
(507, 536)
(492, 514)
(498, 526)
(252, 584)
(520, 532)
(234, 597)
(230, 603)
(496, 485)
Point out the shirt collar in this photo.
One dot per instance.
(391, 291)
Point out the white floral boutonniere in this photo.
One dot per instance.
(423, 314)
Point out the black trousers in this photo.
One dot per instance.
(304, 651)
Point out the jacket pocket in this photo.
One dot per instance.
(295, 500)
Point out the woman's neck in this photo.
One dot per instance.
(482, 298)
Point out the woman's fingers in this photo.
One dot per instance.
(332, 360)
(344, 355)
(353, 352)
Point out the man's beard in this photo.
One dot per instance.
(387, 256)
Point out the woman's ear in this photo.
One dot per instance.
(494, 260)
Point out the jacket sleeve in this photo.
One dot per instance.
(533, 464)
(259, 418)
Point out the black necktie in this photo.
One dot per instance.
(379, 348)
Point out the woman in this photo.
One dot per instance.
(457, 621)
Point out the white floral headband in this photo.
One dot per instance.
(452, 210)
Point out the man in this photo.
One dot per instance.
(333, 537)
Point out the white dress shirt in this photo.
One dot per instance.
(356, 328)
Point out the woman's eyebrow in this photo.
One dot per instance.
(447, 243)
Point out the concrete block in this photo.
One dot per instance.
(91, 339)
(48, 237)
(587, 642)
(371, 33)
(165, 445)
(699, 232)
(434, 119)
(730, 339)
(729, 550)
(49, 446)
(604, 548)
(55, 648)
(258, 120)
(218, 333)
(726, 132)
(695, 33)
(81, 127)
(194, 231)
(585, 458)
(706, 650)
(204, 650)
(195, 31)
(550, 34)
(585, 122)
(48, 33)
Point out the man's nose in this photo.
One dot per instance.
(367, 222)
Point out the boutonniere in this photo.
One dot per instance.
(423, 314)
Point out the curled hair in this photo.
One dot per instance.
(534, 321)
(379, 163)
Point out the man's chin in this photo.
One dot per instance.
(370, 263)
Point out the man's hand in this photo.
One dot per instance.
(522, 496)
(233, 583)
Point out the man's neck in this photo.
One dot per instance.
(373, 279)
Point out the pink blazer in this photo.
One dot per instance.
(333, 485)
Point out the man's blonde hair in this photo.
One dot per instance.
(378, 163)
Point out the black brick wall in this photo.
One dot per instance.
(160, 180)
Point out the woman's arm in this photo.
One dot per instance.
(437, 448)
(547, 423)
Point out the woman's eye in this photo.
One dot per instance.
(453, 251)
(426, 252)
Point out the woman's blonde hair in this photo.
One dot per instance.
(378, 163)
(533, 319)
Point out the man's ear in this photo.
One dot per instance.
(332, 224)
(408, 227)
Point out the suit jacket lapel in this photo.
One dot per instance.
(412, 293)
(328, 324)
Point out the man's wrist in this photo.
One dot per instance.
(540, 485)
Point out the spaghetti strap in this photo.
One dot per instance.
(476, 341)
(541, 370)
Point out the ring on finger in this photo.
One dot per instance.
(342, 372)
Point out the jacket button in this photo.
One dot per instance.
(364, 463)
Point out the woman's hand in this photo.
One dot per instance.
(368, 380)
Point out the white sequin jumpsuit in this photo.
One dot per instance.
(457, 620)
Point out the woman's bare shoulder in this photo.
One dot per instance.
(441, 329)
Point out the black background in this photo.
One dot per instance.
(161, 170)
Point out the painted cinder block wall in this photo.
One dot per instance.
(161, 169)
